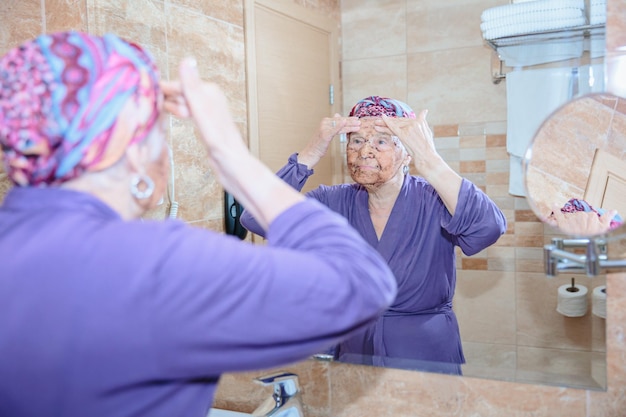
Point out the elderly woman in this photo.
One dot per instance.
(413, 222)
(104, 314)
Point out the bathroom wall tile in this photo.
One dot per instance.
(478, 178)
(529, 253)
(424, 23)
(491, 356)
(473, 154)
(373, 17)
(374, 76)
(197, 191)
(557, 366)
(226, 10)
(497, 178)
(497, 153)
(529, 265)
(216, 225)
(478, 141)
(472, 166)
(445, 130)
(495, 141)
(613, 402)
(20, 21)
(525, 216)
(497, 190)
(501, 264)
(455, 85)
(483, 307)
(218, 47)
(141, 21)
(538, 322)
(497, 252)
(474, 263)
(529, 240)
(529, 228)
(64, 14)
(5, 185)
(447, 142)
(498, 165)
(504, 202)
(450, 155)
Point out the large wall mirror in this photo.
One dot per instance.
(433, 56)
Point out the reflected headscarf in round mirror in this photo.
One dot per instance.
(575, 167)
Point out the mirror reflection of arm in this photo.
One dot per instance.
(300, 165)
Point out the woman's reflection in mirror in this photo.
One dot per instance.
(414, 221)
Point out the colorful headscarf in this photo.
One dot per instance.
(375, 106)
(575, 204)
(61, 96)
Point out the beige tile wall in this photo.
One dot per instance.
(433, 71)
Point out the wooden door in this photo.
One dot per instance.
(606, 187)
(292, 59)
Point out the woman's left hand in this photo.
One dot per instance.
(416, 136)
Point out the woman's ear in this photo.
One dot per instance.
(137, 158)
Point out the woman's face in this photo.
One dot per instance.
(374, 158)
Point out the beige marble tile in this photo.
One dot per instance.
(483, 306)
(540, 325)
(199, 195)
(360, 391)
(5, 185)
(489, 356)
(367, 31)
(226, 10)
(65, 14)
(455, 85)
(444, 25)
(374, 76)
(218, 48)
(20, 21)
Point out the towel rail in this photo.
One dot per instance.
(574, 34)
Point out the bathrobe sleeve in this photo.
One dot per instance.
(226, 305)
(477, 222)
(294, 174)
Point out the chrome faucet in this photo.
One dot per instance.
(285, 400)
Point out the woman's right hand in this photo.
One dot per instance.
(328, 129)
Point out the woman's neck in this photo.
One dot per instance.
(383, 197)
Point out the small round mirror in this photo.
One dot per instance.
(575, 167)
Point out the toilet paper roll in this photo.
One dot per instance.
(598, 298)
(572, 300)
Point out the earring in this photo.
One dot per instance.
(405, 169)
(146, 192)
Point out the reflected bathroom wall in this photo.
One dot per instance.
(434, 57)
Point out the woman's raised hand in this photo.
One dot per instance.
(417, 137)
(329, 128)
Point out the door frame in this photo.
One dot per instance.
(294, 11)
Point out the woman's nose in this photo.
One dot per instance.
(367, 148)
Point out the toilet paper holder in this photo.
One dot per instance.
(593, 262)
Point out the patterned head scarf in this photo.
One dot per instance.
(375, 106)
(575, 204)
(61, 98)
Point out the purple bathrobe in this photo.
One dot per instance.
(103, 317)
(418, 243)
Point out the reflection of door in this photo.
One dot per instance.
(293, 54)
(606, 187)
